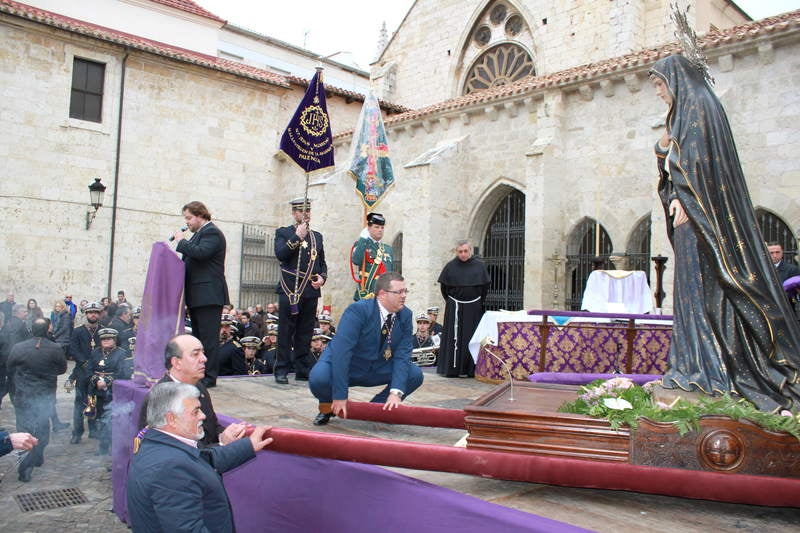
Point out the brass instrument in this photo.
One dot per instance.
(424, 356)
(90, 411)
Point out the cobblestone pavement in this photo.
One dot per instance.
(65, 466)
(260, 400)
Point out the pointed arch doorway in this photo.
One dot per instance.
(504, 253)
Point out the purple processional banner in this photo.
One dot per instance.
(308, 139)
(162, 313)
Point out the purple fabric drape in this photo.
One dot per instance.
(275, 491)
(289, 493)
(162, 313)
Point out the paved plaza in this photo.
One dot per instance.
(260, 400)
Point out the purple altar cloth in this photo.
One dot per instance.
(635, 344)
(162, 312)
(569, 378)
(277, 491)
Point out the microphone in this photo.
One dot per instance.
(172, 237)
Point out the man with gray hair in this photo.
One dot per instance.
(172, 484)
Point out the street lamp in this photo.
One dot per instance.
(96, 192)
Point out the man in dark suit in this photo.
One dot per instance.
(786, 269)
(173, 485)
(372, 347)
(33, 368)
(303, 273)
(185, 363)
(206, 289)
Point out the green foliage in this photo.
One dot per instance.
(684, 414)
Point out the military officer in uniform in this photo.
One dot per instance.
(318, 344)
(253, 360)
(303, 272)
(82, 343)
(269, 347)
(326, 324)
(230, 353)
(422, 338)
(436, 328)
(370, 257)
(107, 366)
(127, 364)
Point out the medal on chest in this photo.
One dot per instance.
(387, 353)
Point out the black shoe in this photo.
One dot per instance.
(323, 418)
(58, 426)
(282, 380)
(75, 439)
(300, 378)
(209, 383)
(25, 474)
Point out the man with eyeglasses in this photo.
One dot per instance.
(372, 347)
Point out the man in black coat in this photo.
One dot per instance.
(82, 343)
(33, 369)
(185, 362)
(123, 323)
(206, 290)
(303, 272)
(786, 269)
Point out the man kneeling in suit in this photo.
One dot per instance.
(372, 347)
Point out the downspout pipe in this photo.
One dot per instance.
(117, 156)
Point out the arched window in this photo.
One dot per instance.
(504, 253)
(498, 50)
(774, 229)
(503, 64)
(397, 253)
(587, 240)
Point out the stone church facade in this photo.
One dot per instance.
(528, 127)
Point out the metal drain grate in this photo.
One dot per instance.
(49, 499)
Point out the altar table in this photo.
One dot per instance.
(570, 341)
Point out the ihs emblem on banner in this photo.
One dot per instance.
(314, 120)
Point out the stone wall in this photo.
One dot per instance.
(584, 149)
(425, 58)
(187, 133)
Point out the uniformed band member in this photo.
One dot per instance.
(269, 347)
(127, 364)
(318, 342)
(230, 353)
(436, 328)
(422, 338)
(82, 343)
(303, 272)
(253, 361)
(326, 324)
(370, 257)
(107, 365)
